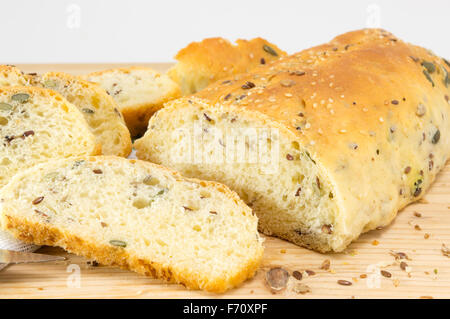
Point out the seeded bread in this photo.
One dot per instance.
(98, 108)
(37, 125)
(139, 92)
(138, 216)
(202, 63)
(12, 76)
(348, 133)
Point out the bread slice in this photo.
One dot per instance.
(324, 144)
(202, 63)
(98, 108)
(37, 125)
(12, 76)
(139, 92)
(136, 215)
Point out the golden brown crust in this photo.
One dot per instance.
(35, 233)
(212, 59)
(365, 106)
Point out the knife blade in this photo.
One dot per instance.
(16, 257)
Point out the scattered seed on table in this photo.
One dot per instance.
(344, 282)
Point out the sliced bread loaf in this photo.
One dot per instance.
(139, 92)
(324, 144)
(97, 107)
(37, 125)
(136, 215)
(202, 63)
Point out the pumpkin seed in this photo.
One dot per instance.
(5, 106)
(428, 76)
(52, 175)
(309, 156)
(446, 78)
(446, 61)
(88, 111)
(118, 243)
(269, 50)
(149, 180)
(436, 137)
(20, 97)
(50, 84)
(431, 68)
(277, 278)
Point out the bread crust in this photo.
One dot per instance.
(47, 234)
(202, 63)
(365, 106)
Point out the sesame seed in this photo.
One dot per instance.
(343, 131)
(381, 119)
(288, 94)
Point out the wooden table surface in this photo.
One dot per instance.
(419, 231)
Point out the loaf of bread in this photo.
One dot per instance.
(98, 108)
(202, 63)
(37, 125)
(139, 92)
(330, 142)
(136, 215)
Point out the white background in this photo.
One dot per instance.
(58, 31)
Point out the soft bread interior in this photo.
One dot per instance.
(97, 107)
(277, 178)
(37, 125)
(199, 233)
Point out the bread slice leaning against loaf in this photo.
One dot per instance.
(202, 63)
(37, 125)
(136, 215)
(139, 92)
(98, 108)
(324, 144)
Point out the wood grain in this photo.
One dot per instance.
(429, 276)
